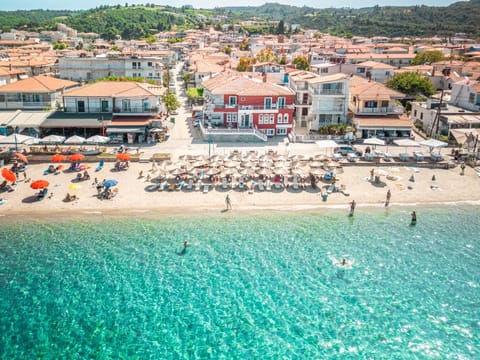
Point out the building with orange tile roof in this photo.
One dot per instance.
(37, 92)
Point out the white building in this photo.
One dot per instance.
(94, 68)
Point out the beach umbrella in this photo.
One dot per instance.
(98, 139)
(316, 171)
(212, 171)
(21, 157)
(18, 139)
(264, 172)
(265, 164)
(39, 184)
(406, 143)
(110, 183)
(247, 163)
(380, 172)
(199, 163)
(216, 158)
(247, 172)
(74, 186)
(316, 164)
(433, 144)
(231, 164)
(53, 139)
(185, 157)
(178, 171)
(278, 158)
(228, 171)
(326, 144)
(281, 171)
(58, 158)
(77, 157)
(374, 141)
(124, 157)
(9, 175)
(320, 157)
(75, 140)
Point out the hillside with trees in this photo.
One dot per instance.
(140, 21)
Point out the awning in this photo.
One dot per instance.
(383, 122)
(29, 119)
(72, 123)
(123, 130)
(7, 116)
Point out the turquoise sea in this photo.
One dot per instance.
(250, 286)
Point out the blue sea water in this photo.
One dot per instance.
(251, 286)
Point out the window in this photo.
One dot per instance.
(415, 113)
(272, 119)
(325, 119)
(104, 106)
(471, 98)
(270, 132)
(125, 105)
(150, 75)
(268, 103)
(150, 64)
(260, 119)
(304, 111)
(421, 116)
(285, 118)
(384, 104)
(324, 70)
(360, 70)
(281, 102)
(232, 100)
(231, 117)
(305, 99)
(242, 99)
(279, 118)
(281, 131)
(370, 104)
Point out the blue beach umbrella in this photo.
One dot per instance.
(110, 183)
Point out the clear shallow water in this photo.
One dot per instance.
(249, 287)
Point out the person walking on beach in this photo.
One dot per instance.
(352, 207)
(228, 202)
(389, 195)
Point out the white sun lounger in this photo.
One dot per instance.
(268, 185)
(198, 185)
(206, 188)
(260, 185)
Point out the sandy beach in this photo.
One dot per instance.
(135, 195)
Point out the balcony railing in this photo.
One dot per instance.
(381, 110)
(135, 110)
(337, 92)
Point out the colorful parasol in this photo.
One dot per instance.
(39, 184)
(124, 157)
(58, 158)
(9, 175)
(77, 157)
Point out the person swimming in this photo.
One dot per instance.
(185, 244)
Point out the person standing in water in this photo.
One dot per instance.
(414, 218)
(228, 202)
(389, 195)
(352, 207)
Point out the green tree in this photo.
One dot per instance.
(412, 84)
(170, 102)
(301, 63)
(227, 50)
(59, 46)
(281, 27)
(428, 57)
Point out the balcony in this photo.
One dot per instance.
(331, 92)
(135, 111)
(396, 109)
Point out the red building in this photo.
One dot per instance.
(248, 101)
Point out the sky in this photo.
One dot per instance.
(88, 4)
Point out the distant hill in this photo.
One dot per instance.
(133, 22)
(373, 21)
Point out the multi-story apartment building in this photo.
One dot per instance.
(94, 68)
(238, 101)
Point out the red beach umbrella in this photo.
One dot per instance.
(39, 184)
(21, 157)
(9, 175)
(58, 158)
(77, 157)
(124, 157)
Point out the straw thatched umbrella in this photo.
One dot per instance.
(316, 164)
(264, 172)
(231, 164)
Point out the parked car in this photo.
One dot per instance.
(348, 149)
